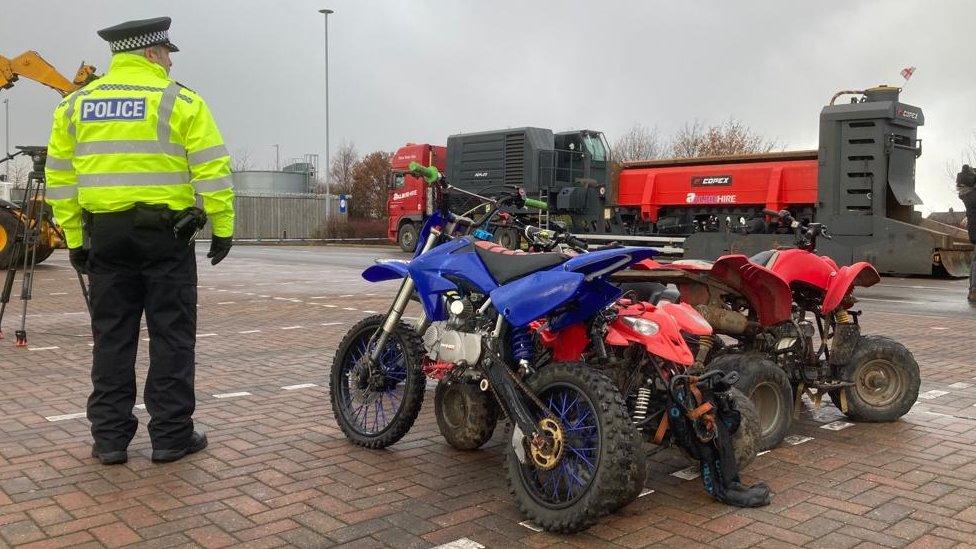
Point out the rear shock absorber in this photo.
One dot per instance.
(705, 344)
(523, 348)
(640, 405)
(846, 336)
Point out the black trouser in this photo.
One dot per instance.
(969, 200)
(136, 264)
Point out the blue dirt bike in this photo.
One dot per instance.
(571, 446)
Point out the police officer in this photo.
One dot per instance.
(966, 187)
(126, 157)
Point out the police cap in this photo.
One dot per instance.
(136, 35)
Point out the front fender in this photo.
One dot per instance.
(858, 274)
(386, 270)
(667, 343)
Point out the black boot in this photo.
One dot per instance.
(198, 441)
(114, 457)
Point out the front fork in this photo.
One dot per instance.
(399, 306)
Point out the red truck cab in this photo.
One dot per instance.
(409, 200)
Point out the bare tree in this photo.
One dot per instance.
(20, 169)
(341, 171)
(638, 143)
(967, 156)
(728, 138)
(241, 161)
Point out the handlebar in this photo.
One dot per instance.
(430, 174)
(533, 203)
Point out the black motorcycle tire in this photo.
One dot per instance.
(614, 474)
(414, 384)
(466, 415)
(879, 353)
(768, 386)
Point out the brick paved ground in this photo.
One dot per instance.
(278, 472)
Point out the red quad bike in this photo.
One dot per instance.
(789, 312)
(642, 346)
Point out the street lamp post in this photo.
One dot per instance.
(277, 157)
(6, 140)
(328, 189)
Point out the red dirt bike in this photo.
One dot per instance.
(789, 312)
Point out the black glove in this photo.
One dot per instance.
(219, 248)
(79, 259)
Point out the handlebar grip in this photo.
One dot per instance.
(429, 173)
(533, 203)
(576, 243)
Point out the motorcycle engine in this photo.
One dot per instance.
(450, 340)
(445, 344)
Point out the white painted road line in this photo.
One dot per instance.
(346, 295)
(299, 386)
(66, 416)
(225, 302)
(530, 526)
(291, 327)
(332, 323)
(688, 473)
(764, 452)
(320, 297)
(462, 543)
(140, 406)
(58, 293)
(960, 385)
(369, 312)
(232, 395)
(205, 335)
(43, 348)
(330, 306)
(645, 492)
(933, 394)
(348, 308)
(793, 440)
(249, 332)
(836, 425)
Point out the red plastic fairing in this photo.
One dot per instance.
(667, 343)
(768, 294)
(688, 319)
(802, 266)
(689, 265)
(858, 274)
(647, 265)
(567, 344)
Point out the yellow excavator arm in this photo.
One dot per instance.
(31, 65)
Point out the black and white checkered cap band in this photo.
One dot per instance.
(138, 42)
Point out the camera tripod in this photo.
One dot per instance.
(32, 215)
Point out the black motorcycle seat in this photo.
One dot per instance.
(506, 265)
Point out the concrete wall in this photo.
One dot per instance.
(276, 217)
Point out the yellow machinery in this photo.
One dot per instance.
(32, 66)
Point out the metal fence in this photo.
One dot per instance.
(277, 217)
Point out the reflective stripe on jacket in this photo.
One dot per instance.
(133, 136)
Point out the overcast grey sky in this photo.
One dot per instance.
(421, 70)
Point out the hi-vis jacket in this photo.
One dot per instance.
(133, 136)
